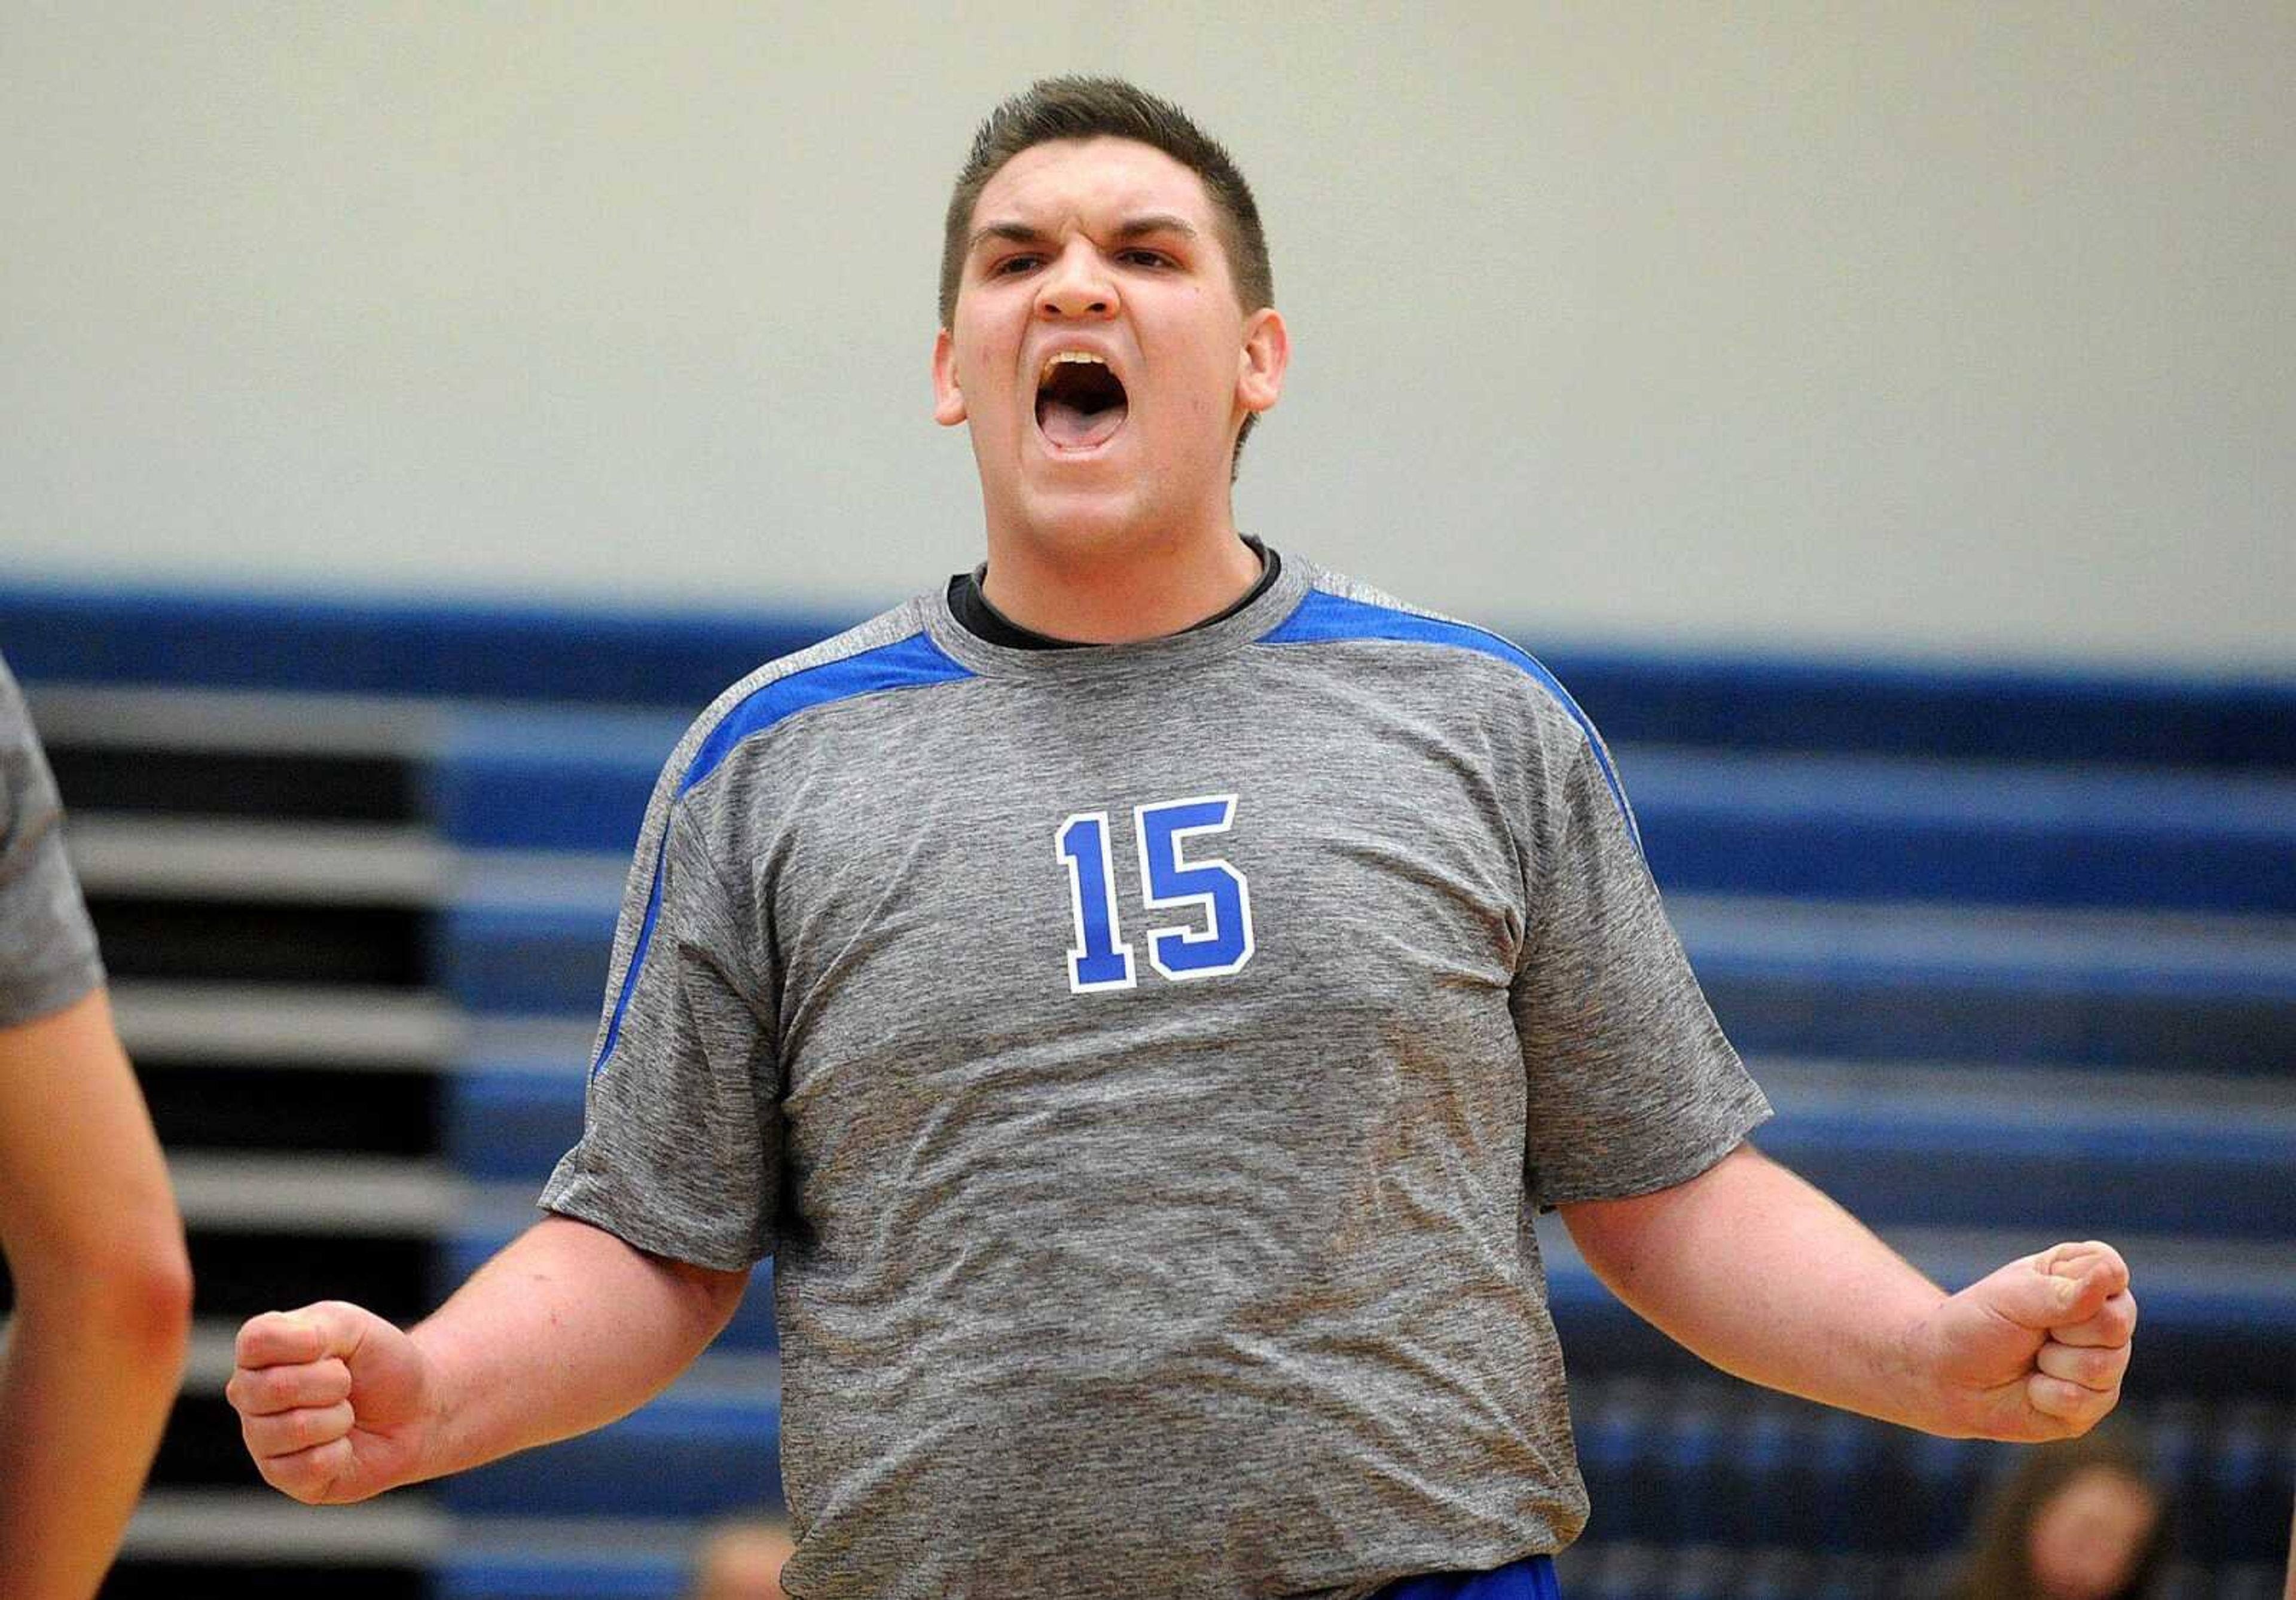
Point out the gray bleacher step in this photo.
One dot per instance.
(258, 1024)
(285, 1228)
(236, 721)
(2142, 947)
(335, 1030)
(254, 756)
(186, 1525)
(240, 859)
(1906, 981)
(501, 1555)
(576, 879)
(2019, 1092)
(208, 1366)
(360, 1196)
(337, 863)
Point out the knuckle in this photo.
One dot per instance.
(315, 1426)
(253, 1393)
(289, 1432)
(295, 1483)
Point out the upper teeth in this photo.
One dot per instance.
(1085, 357)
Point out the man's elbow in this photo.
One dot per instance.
(715, 1295)
(140, 1299)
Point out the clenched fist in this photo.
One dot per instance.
(334, 1402)
(2037, 1349)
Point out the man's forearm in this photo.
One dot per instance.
(1767, 1278)
(86, 1387)
(567, 1329)
(103, 1294)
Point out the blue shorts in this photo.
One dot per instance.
(1529, 1579)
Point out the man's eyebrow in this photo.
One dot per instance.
(1013, 232)
(1131, 227)
(1161, 223)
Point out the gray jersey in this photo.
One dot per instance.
(47, 948)
(1145, 1063)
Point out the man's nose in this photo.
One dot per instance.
(1077, 284)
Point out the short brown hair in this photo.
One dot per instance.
(1109, 107)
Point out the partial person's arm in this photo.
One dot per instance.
(103, 1289)
(567, 1329)
(1761, 1274)
(2289, 1592)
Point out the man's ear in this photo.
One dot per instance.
(1260, 365)
(948, 399)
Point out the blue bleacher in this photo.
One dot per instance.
(534, 655)
(539, 779)
(525, 960)
(1836, 827)
(541, 1575)
(2074, 1153)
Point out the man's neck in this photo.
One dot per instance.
(1163, 586)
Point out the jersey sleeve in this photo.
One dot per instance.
(680, 1153)
(48, 956)
(1632, 1086)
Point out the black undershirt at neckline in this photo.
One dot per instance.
(984, 622)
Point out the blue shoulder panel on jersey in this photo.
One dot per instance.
(1326, 618)
(909, 663)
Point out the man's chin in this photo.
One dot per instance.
(1095, 513)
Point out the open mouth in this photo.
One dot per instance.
(1081, 402)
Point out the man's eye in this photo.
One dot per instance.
(1011, 264)
(1144, 258)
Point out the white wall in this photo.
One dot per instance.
(1911, 328)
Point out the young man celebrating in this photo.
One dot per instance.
(1141, 995)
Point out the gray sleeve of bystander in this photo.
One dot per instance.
(48, 956)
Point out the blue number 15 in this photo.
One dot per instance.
(1101, 959)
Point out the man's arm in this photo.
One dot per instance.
(1761, 1274)
(2288, 1591)
(567, 1329)
(103, 1291)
